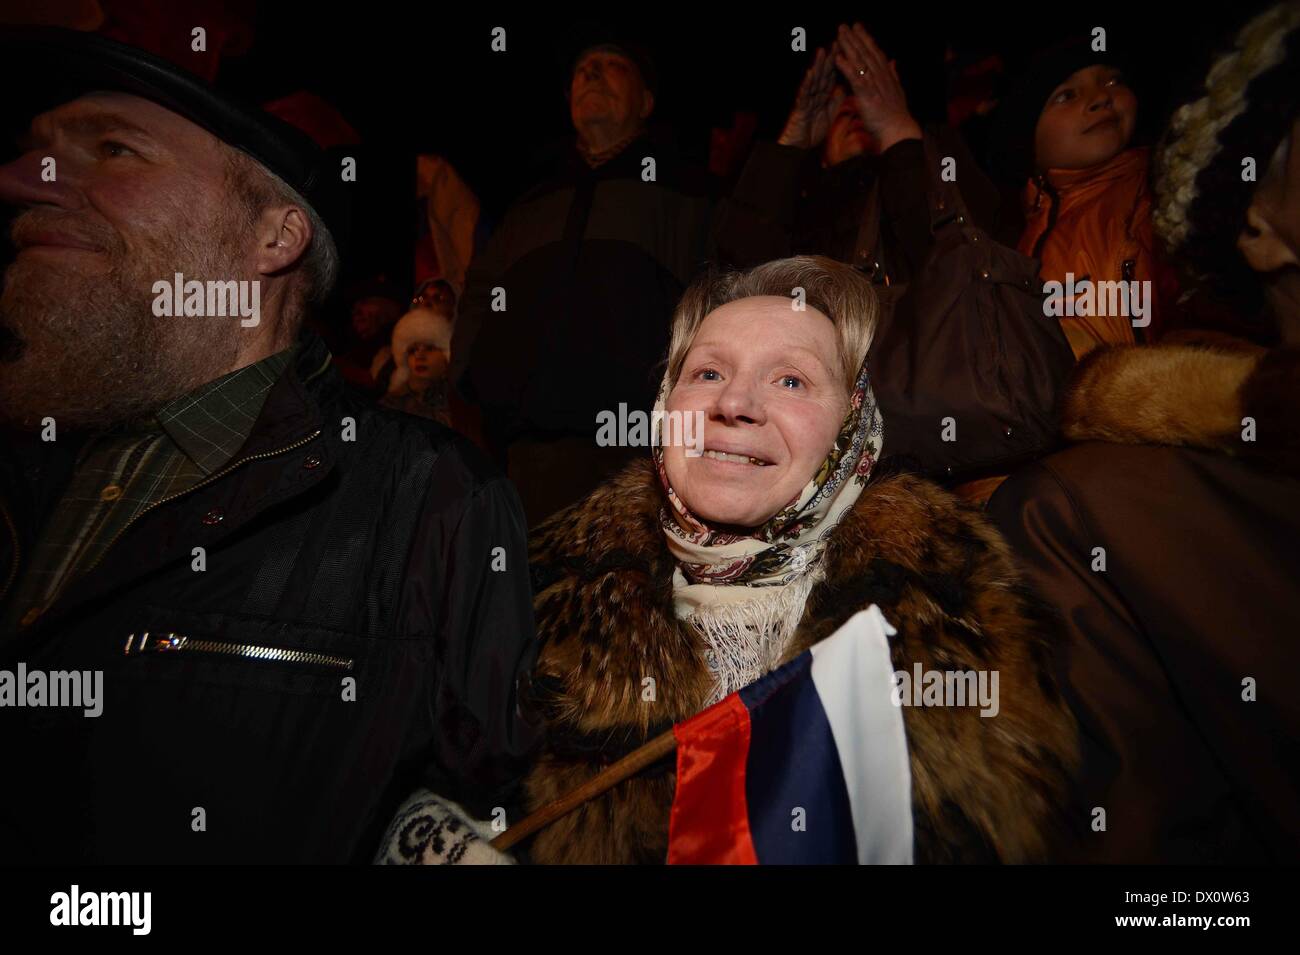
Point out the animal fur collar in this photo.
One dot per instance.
(617, 666)
(1227, 396)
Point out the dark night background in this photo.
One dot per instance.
(423, 78)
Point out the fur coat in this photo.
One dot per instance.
(983, 789)
(1168, 539)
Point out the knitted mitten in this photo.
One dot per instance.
(430, 830)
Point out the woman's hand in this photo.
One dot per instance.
(430, 830)
(876, 87)
(815, 104)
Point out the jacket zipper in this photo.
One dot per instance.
(1054, 199)
(206, 481)
(176, 643)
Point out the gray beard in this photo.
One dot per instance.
(90, 353)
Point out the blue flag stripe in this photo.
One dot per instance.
(799, 811)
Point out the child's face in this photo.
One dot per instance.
(426, 361)
(1087, 120)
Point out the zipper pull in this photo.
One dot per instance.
(169, 641)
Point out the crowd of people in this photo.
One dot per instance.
(1058, 443)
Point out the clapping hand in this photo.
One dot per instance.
(876, 87)
(815, 104)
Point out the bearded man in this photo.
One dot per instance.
(299, 607)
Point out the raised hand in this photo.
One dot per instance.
(814, 105)
(876, 87)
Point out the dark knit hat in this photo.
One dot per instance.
(1017, 120)
(590, 37)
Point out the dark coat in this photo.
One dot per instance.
(870, 211)
(965, 365)
(376, 550)
(983, 789)
(1199, 531)
(592, 263)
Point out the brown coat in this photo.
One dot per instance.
(1199, 531)
(983, 788)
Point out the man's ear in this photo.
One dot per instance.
(647, 103)
(284, 234)
(1265, 250)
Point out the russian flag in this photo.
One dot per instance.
(807, 765)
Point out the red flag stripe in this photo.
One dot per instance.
(710, 816)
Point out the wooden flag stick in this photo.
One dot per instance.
(628, 766)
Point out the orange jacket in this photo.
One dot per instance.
(1096, 224)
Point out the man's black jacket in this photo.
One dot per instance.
(380, 547)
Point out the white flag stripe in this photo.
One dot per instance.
(854, 677)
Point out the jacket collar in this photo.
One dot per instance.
(1196, 393)
(287, 430)
(211, 423)
(1128, 168)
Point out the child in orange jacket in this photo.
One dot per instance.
(1088, 203)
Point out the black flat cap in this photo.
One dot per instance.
(41, 67)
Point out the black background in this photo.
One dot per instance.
(422, 77)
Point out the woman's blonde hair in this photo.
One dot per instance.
(838, 291)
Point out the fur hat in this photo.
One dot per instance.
(1246, 108)
(417, 325)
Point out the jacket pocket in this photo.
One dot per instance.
(147, 642)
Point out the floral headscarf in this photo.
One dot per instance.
(720, 567)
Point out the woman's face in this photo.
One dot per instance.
(848, 136)
(1088, 120)
(768, 381)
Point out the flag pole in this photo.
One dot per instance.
(610, 776)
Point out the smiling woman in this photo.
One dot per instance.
(791, 433)
(688, 577)
(773, 375)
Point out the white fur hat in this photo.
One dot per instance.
(417, 325)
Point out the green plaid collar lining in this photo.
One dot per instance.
(211, 423)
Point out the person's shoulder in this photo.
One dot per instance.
(621, 516)
(907, 521)
(1096, 483)
(909, 504)
(551, 167)
(416, 443)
